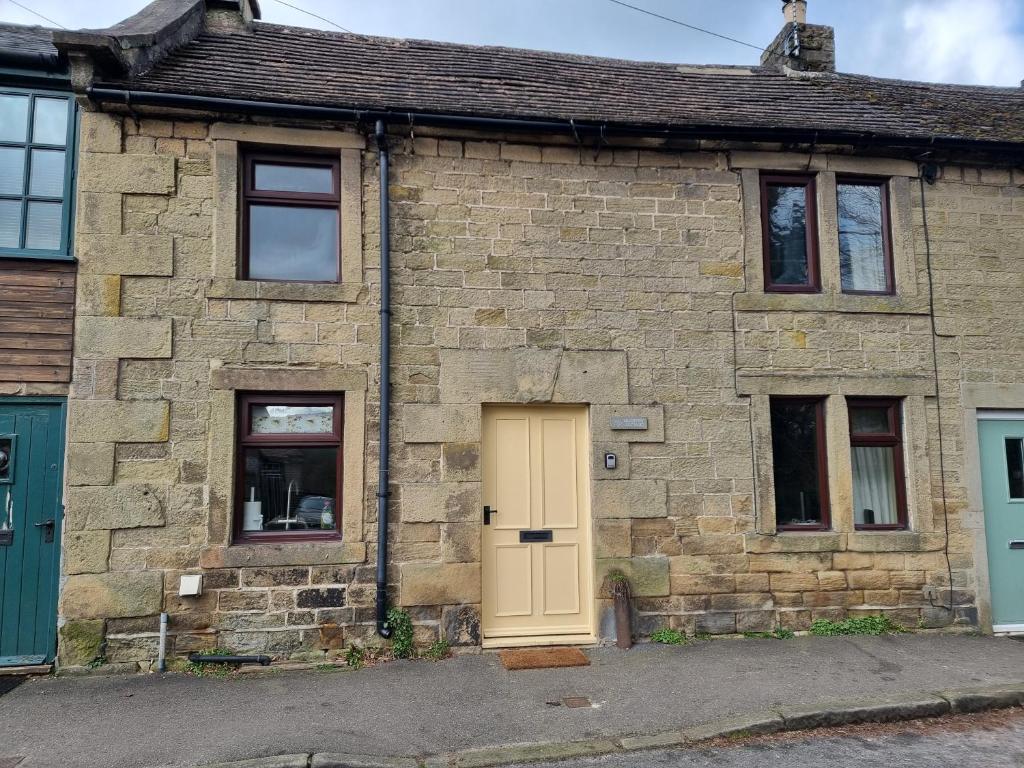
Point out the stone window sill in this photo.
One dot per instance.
(894, 541)
(831, 302)
(795, 541)
(347, 293)
(273, 554)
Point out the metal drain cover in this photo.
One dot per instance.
(576, 702)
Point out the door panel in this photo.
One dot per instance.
(30, 526)
(1002, 477)
(536, 475)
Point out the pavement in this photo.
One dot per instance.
(649, 697)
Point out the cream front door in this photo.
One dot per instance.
(537, 561)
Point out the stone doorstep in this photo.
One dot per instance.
(873, 710)
(33, 669)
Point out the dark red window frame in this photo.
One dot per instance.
(821, 455)
(890, 271)
(246, 438)
(892, 438)
(807, 181)
(250, 195)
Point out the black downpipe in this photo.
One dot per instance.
(383, 479)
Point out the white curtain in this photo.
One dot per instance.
(874, 484)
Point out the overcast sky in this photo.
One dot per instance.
(963, 41)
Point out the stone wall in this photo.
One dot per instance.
(618, 278)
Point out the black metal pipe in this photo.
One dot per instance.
(198, 658)
(598, 130)
(383, 478)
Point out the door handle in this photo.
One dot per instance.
(487, 515)
(47, 526)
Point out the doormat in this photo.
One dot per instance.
(543, 658)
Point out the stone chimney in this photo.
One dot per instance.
(801, 46)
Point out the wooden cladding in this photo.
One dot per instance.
(37, 310)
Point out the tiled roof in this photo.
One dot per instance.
(304, 66)
(27, 40)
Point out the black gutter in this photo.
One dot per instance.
(383, 477)
(49, 62)
(596, 129)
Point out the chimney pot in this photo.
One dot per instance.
(794, 11)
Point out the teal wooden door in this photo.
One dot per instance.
(1002, 478)
(31, 473)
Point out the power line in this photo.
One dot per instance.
(36, 13)
(308, 13)
(684, 24)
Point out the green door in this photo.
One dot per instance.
(1002, 478)
(31, 473)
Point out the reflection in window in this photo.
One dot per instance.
(292, 218)
(864, 259)
(1015, 466)
(790, 233)
(799, 463)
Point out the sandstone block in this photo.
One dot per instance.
(440, 502)
(439, 583)
(130, 254)
(612, 539)
(139, 174)
(460, 461)
(90, 463)
(831, 581)
(460, 542)
(868, 579)
(99, 132)
(441, 423)
(86, 551)
(123, 337)
(111, 507)
(118, 421)
(594, 377)
(98, 295)
(630, 498)
(461, 624)
(99, 213)
(697, 584)
(648, 576)
(793, 582)
(81, 641)
(113, 595)
(795, 563)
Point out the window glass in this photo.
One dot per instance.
(876, 451)
(787, 232)
(863, 262)
(868, 420)
(290, 488)
(293, 178)
(46, 177)
(10, 223)
(874, 485)
(289, 466)
(33, 174)
(800, 496)
(13, 117)
(293, 243)
(43, 228)
(12, 170)
(50, 121)
(1015, 466)
(292, 419)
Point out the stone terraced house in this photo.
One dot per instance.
(748, 335)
